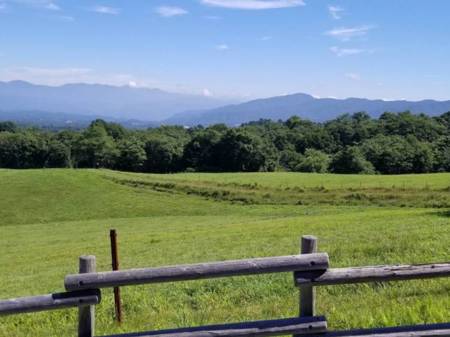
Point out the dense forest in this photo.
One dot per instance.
(392, 144)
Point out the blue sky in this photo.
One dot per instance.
(390, 49)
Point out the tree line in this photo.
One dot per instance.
(395, 143)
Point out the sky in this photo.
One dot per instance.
(387, 49)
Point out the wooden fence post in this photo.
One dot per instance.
(86, 314)
(307, 292)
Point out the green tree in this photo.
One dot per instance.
(199, 152)
(58, 154)
(441, 150)
(22, 150)
(95, 148)
(131, 154)
(238, 151)
(8, 127)
(290, 159)
(314, 161)
(163, 156)
(114, 130)
(423, 127)
(351, 160)
(397, 154)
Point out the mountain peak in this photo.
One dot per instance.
(18, 83)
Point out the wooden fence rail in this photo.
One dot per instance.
(49, 302)
(197, 271)
(429, 330)
(372, 274)
(300, 326)
(310, 269)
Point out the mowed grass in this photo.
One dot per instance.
(50, 217)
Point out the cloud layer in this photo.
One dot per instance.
(346, 51)
(222, 47)
(106, 10)
(335, 12)
(170, 11)
(253, 4)
(44, 4)
(347, 33)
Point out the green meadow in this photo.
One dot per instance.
(48, 218)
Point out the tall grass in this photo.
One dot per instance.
(49, 218)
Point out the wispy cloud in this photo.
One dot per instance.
(44, 4)
(253, 4)
(60, 76)
(346, 51)
(353, 76)
(65, 18)
(45, 75)
(207, 93)
(52, 6)
(347, 33)
(106, 10)
(336, 12)
(170, 11)
(266, 38)
(222, 47)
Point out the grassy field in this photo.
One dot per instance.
(50, 217)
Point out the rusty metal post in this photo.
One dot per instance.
(115, 266)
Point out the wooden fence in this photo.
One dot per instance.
(310, 269)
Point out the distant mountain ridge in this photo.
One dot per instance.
(305, 106)
(123, 102)
(73, 105)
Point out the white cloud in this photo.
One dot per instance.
(335, 12)
(207, 93)
(222, 47)
(346, 51)
(29, 73)
(45, 4)
(346, 34)
(353, 76)
(106, 10)
(60, 76)
(65, 18)
(265, 38)
(67, 75)
(170, 11)
(253, 4)
(52, 6)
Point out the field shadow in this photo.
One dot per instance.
(442, 213)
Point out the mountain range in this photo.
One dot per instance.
(305, 106)
(122, 102)
(77, 104)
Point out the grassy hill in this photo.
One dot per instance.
(50, 217)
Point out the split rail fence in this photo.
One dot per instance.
(310, 269)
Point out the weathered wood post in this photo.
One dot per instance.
(86, 314)
(307, 292)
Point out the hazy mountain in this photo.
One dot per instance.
(53, 120)
(101, 100)
(75, 105)
(305, 106)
